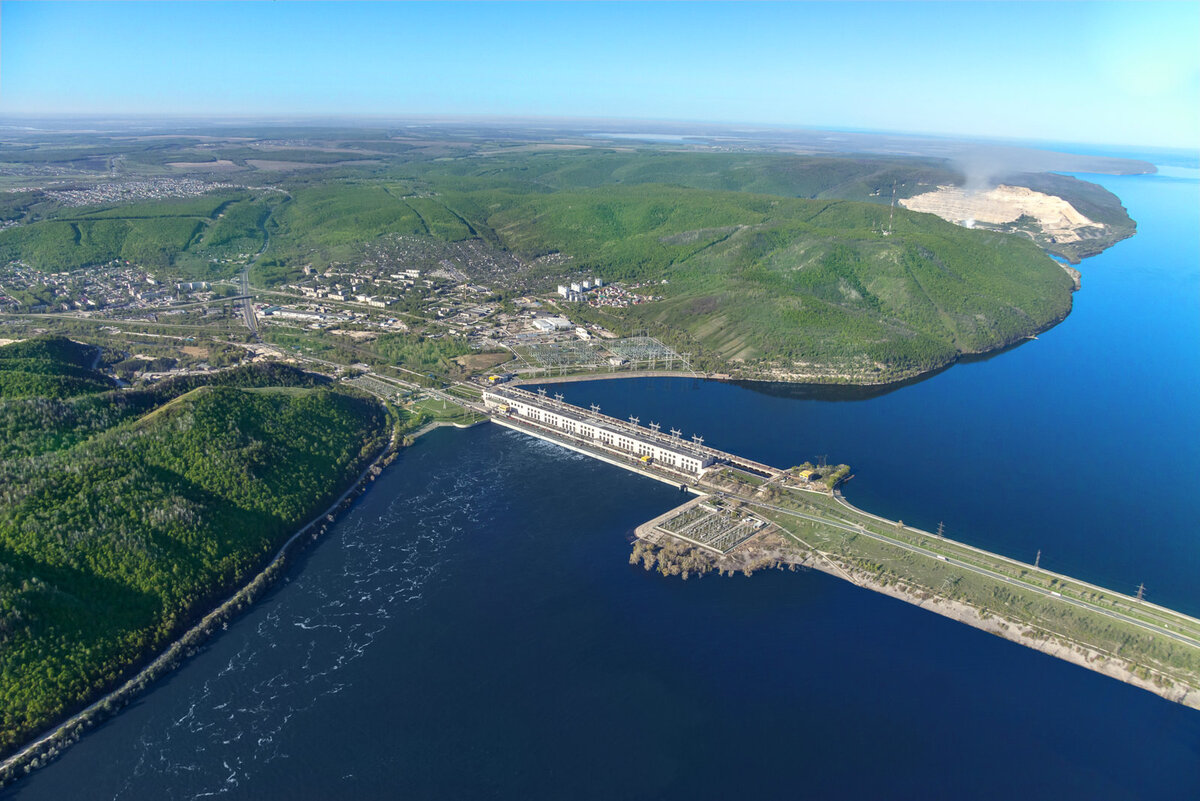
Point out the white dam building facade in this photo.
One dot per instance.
(598, 429)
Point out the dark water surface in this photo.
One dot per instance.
(1084, 444)
(471, 628)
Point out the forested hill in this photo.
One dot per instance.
(785, 287)
(123, 515)
(50, 367)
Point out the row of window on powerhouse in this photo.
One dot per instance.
(599, 432)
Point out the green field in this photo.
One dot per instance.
(128, 513)
(442, 411)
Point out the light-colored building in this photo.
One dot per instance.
(598, 429)
(548, 324)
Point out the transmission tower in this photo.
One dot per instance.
(675, 432)
(1141, 593)
(558, 396)
(655, 427)
(696, 438)
(634, 420)
(595, 408)
(1037, 562)
(542, 391)
(941, 530)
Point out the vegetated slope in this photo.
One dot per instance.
(33, 425)
(145, 512)
(861, 178)
(793, 287)
(182, 233)
(874, 179)
(326, 221)
(50, 367)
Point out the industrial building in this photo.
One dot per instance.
(548, 324)
(607, 432)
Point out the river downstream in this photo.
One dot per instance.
(471, 627)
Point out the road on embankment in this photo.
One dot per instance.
(991, 574)
(247, 306)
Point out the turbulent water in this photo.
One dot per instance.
(471, 627)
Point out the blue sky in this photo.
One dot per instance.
(1125, 73)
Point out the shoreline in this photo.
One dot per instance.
(46, 746)
(433, 425)
(809, 381)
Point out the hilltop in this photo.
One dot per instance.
(126, 514)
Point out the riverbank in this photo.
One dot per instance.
(825, 378)
(46, 746)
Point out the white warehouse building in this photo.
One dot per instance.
(604, 431)
(549, 324)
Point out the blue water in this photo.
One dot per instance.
(1084, 444)
(472, 629)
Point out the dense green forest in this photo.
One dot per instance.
(50, 368)
(123, 514)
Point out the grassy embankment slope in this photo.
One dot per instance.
(124, 515)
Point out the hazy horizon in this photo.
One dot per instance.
(1124, 74)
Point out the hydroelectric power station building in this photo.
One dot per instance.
(597, 429)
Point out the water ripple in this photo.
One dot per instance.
(376, 564)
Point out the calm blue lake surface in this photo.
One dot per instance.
(472, 629)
